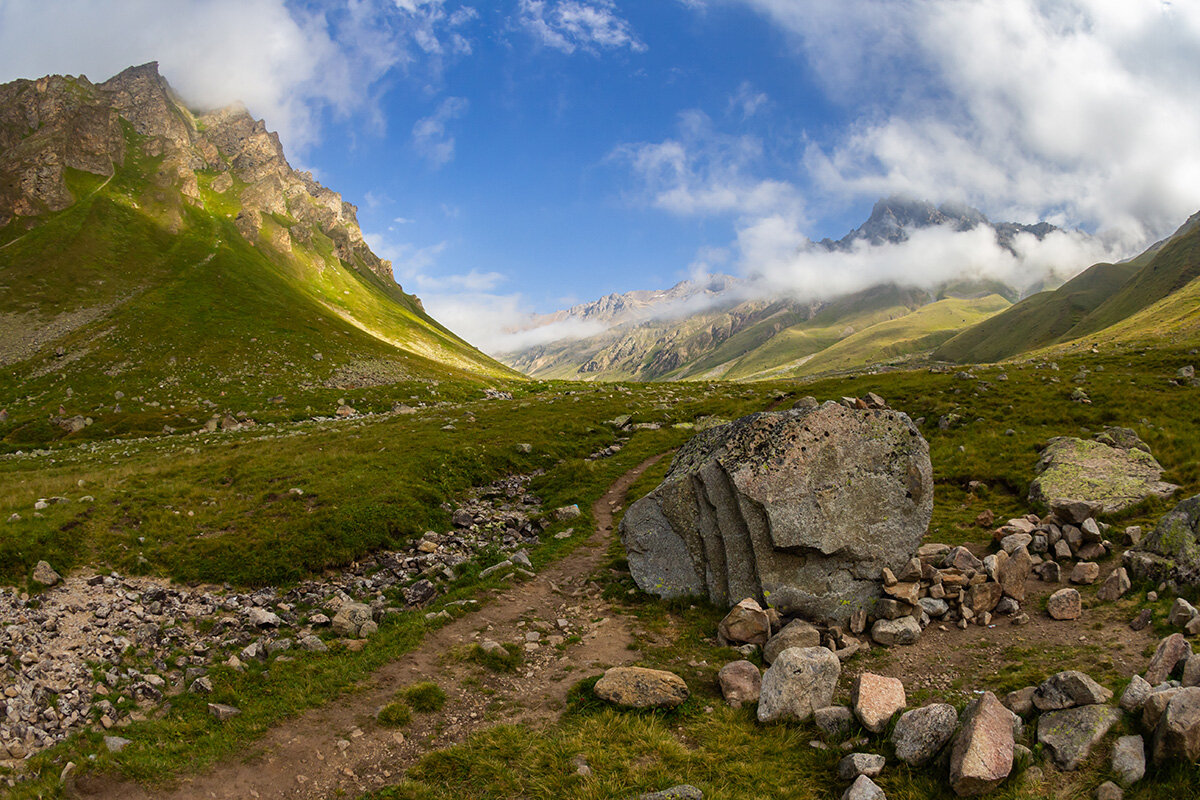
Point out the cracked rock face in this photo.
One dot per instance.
(800, 509)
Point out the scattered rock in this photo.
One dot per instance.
(746, 623)
(1115, 585)
(876, 699)
(44, 574)
(797, 633)
(681, 792)
(834, 722)
(1064, 604)
(1170, 552)
(1067, 690)
(1085, 573)
(1129, 759)
(223, 712)
(921, 734)
(115, 744)
(1177, 735)
(982, 756)
(638, 687)
(864, 788)
(1070, 734)
(855, 764)
(801, 680)
(1135, 694)
(350, 619)
(1169, 653)
(740, 683)
(889, 632)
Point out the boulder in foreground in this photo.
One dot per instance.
(799, 509)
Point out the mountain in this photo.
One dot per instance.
(150, 251)
(893, 217)
(1095, 300)
(724, 328)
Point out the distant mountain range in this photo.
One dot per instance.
(723, 327)
(150, 251)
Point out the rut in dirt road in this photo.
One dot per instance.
(340, 748)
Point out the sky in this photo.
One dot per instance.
(519, 156)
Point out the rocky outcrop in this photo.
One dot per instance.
(60, 123)
(1115, 476)
(1171, 552)
(800, 509)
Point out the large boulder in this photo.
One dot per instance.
(1177, 735)
(1090, 471)
(1171, 552)
(801, 680)
(802, 509)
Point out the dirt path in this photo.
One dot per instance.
(341, 749)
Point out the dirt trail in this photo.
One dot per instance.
(340, 748)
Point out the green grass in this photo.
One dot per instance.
(424, 697)
(395, 714)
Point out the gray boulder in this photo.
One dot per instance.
(1070, 734)
(801, 680)
(803, 508)
(1170, 552)
(855, 764)
(889, 632)
(834, 722)
(920, 734)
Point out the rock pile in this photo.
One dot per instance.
(802, 509)
(1068, 715)
(156, 639)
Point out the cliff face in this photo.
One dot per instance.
(55, 124)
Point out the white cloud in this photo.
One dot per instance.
(286, 62)
(570, 25)
(429, 134)
(747, 101)
(1085, 112)
(705, 172)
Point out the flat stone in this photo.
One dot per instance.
(890, 632)
(921, 734)
(1071, 733)
(876, 699)
(115, 744)
(799, 681)
(1078, 469)
(223, 712)
(638, 687)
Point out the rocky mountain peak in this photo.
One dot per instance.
(61, 123)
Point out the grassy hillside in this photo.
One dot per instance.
(1100, 297)
(1037, 320)
(134, 292)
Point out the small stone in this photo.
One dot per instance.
(876, 699)
(1142, 620)
(44, 574)
(1070, 734)
(864, 788)
(1129, 759)
(834, 722)
(1169, 653)
(681, 792)
(982, 756)
(903, 631)
(1085, 573)
(1065, 604)
(1182, 612)
(740, 683)
(797, 633)
(1109, 791)
(1067, 690)
(921, 734)
(1135, 694)
(115, 744)
(745, 623)
(223, 712)
(799, 681)
(855, 764)
(1115, 585)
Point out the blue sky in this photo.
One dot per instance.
(517, 156)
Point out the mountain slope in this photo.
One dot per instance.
(1097, 299)
(151, 253)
